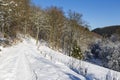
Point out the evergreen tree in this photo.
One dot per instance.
(76, 51)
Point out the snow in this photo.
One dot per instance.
(90, 71)
(26, 61)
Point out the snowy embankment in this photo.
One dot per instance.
(88, 70)
(27, 62)
(24, 62)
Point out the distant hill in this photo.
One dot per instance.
(107, 31)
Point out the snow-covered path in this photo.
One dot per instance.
(23, 62)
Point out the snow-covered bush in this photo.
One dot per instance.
(107, 51)
(114, 61)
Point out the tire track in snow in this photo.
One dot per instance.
(24, 72)
(8, 64)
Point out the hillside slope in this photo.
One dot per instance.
(26, 61)
(107, 31)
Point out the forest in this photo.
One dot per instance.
(49, 24)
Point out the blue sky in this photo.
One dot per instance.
(98, 13)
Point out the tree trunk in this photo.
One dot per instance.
(37, 35)
(25, 28)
